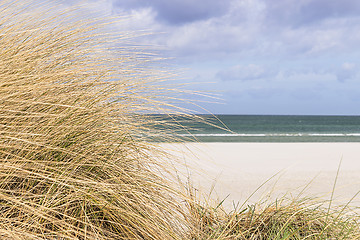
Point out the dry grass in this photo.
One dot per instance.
(293, 219)
(70, 102)
(75, 162)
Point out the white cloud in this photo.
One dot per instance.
(348, 66)
(347, 71)
(242, 73)
(139, 19)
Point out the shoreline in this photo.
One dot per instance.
(239, 169)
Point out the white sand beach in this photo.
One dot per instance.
(239, 169)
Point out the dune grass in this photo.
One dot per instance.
(282, 219)
(75, 162)
(72, 163)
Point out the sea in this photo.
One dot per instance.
(272, 128)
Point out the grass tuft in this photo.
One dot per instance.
(73, 163)
(283, 219)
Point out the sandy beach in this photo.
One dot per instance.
(235, 170)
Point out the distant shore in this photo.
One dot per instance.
(239, 169)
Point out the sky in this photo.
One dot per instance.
(261, 56)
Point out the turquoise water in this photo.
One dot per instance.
(267, 128)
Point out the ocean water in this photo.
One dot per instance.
(274, 128)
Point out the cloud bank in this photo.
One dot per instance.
(260, 53)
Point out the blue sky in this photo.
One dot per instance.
(262, 56)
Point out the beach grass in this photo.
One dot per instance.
(74, 162)
(75, 157)
(282, 219)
